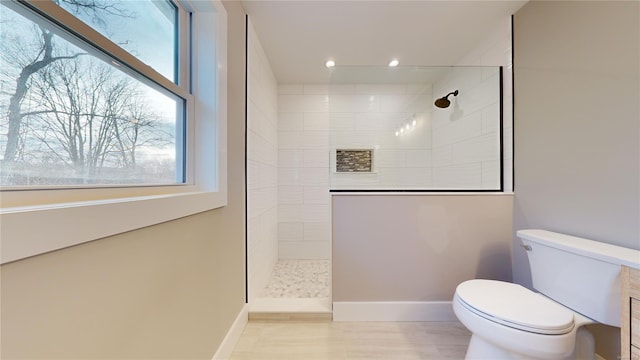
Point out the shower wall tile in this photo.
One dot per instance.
(457, 176)
(354, 103)
(290, 121)
(289, 176)
(418, 158)
(479, 149)
(303, 139)
(342, 121)
(290, 195)
(268, 151)
(335, 89)
(490, 173)
(290, 140)
(417, 103)
(291, 103)
(262, 175)
(316, 158)
(480, 96)
(299, 167)
(379, 89)
(463, 129)
(315, 139)
(489, 114)
(304, 250)
(463, 77)
(262, 167)
(389, 158)
(290, 213)
(315, 213)
(362, 181)
(372, 122)
(316, 103)
(290, 231)
(406, 177)
(255, 169)
(290, 158)
(316, 231)
(315, 176)
(316, 89)
(316, 121)
(316, 195)
(325, 89)
(442, 156)
(261, 201)
(303, 213)
(419, 89)
(290, 89)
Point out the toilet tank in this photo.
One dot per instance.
(581, 274)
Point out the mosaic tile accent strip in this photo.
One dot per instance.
(354, 160)
(299, 279)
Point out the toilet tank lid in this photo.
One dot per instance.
(590, 248)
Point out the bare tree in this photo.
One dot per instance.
(43, 58)
(92, 117)
(67, 108)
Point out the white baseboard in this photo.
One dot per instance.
(598, 357)
(393, 311)
(233, 335)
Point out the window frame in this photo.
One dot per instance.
(37, 221)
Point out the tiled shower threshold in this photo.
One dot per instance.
(290, 309)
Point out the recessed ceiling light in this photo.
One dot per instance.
(330, 63)
(394, 63)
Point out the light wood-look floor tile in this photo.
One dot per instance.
(274, 340)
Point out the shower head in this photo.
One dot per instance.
(444, 102)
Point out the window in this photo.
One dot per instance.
(105, 111)
(146, 29)
(74, 115)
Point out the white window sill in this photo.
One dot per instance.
(33, 230)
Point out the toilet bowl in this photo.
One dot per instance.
(576, 282)
(509, 321)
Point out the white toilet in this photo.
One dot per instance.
(579, 284)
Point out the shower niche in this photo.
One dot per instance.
(354, 160)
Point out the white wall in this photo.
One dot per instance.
(303, 172)
(577, 85)
(367, 116)
(262, 167)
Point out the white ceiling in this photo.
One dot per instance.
(299, 36)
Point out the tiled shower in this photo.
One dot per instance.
(287, 200)
(294, 130)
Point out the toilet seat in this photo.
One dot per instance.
(515, 306)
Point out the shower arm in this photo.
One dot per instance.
(454, 93)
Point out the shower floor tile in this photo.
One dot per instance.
(299, 279)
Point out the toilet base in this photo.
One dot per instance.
(479, 349)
